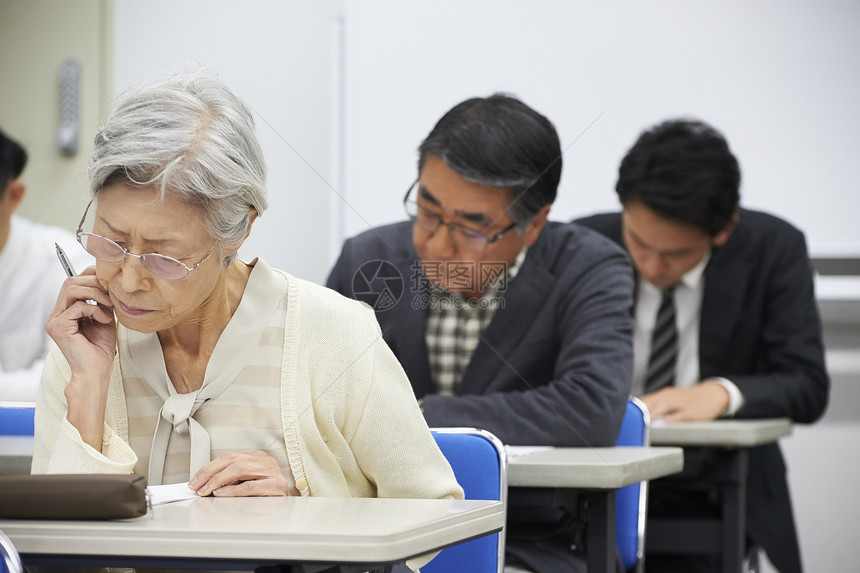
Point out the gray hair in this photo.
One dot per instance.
(191, 137)
(499, 141)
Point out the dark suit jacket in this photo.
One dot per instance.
(554, 365)
(760, 328)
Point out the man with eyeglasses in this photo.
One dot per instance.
(503, 320)
(30, 278)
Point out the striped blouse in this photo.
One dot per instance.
(236, 410)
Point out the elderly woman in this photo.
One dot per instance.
(178, 361)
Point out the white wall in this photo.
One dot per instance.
(281, 57)
(778, 77)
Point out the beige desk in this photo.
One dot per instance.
(726, 444)
(592, 468)
(725, 433)
(584, 480)
(356, 534)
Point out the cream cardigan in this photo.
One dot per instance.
(352, 427)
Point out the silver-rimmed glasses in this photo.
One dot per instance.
(466, 237)
(105, 250)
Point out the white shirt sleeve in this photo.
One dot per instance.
(736, 399)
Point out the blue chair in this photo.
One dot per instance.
(16, 418)
(480, 465)
(9, 559)
(631, 501)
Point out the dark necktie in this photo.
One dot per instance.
(664, 345)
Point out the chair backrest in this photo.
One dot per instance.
(10, 561)
(480, 465)
(631, 502)
(16, 418)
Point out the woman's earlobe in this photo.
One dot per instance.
(252, 216)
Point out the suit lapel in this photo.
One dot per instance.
(525, 297)
(725, 284)
(405, 329)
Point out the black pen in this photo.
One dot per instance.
(67, 266)
(64, 260)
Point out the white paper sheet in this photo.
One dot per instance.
(160, 494)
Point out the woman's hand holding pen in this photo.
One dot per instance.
(86, 334)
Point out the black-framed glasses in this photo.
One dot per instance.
(105, 250)
(466, 237)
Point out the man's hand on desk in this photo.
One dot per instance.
(240, 475)
(703, 401)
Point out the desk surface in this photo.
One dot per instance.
(726, 433)
(268, 530)
(593, 468)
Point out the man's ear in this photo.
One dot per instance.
(14, 194)
(536, 225)
(720, 238)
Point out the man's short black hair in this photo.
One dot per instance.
(684, 171)
(13, 158)
(501, 142)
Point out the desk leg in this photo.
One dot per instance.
(734, 504)
(725, 536)
(599, 511)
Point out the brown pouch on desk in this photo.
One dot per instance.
(72, 496)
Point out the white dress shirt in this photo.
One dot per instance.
(689, 293)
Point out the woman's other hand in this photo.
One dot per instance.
(240, 475)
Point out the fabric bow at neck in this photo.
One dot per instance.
(177, 415)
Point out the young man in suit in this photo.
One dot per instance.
(744, 337)
(502, 320)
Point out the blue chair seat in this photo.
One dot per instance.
(480, 465)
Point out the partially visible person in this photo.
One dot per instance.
(30, 278)
(195, 366)
(502, 319)
(727, 323)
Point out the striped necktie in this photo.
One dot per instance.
(664, 345)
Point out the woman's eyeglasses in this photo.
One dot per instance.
(105, 250)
